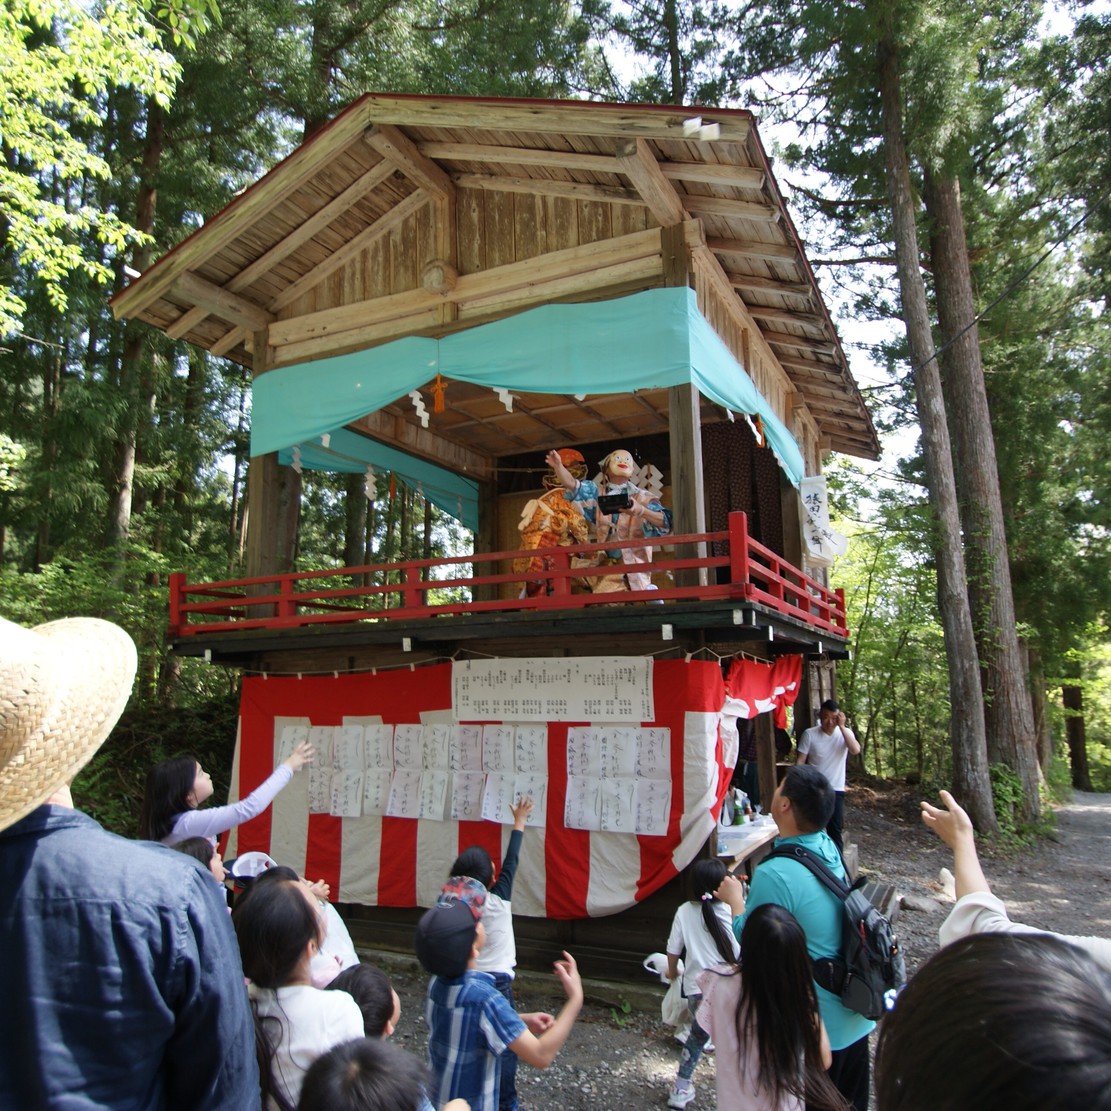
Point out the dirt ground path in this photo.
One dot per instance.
(615, 1061)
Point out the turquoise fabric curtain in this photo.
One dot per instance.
(648, 340)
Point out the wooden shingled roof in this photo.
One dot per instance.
(282, 256)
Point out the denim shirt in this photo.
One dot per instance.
(120, 978)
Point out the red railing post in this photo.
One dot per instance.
(738, 549)
(560, 584)
(842, 617)
(287, 607)
(177, 618)
(413, 594)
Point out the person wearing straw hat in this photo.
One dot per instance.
(120, 979)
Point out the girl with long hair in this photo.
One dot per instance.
(177, 788)
(279, 929)
(762, 1013)
(702, 929)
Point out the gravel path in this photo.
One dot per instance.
(615, 1061)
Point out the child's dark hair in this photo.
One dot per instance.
(706, 877)
(165, 797)
(274, 923)
(199, 848)
(778, 1010)
(365, 1075)
(999, 1020)
(370, 988)
(474, 862)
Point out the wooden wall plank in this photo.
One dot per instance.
(499, 230)
(470, 227)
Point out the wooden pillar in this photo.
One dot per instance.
(486, 539)
(684, 417)
(765, 759)
(273, 496)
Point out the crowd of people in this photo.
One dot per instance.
(128, 984)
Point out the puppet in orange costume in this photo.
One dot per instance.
(551, 521)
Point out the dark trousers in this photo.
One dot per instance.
(507, 1062)
(850, 1073)
(837, 820)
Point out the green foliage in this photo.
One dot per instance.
(1007, 797)
(58, 59)
(110, 787)
(621, 1011)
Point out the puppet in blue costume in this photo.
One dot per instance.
(643, 516)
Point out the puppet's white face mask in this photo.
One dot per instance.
(619, 466)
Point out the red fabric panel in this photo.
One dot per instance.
(566, 851)
(256, 755)
(397, 878)
(677, 687)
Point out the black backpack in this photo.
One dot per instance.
(870, 968)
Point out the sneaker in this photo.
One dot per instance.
(680, 1097)
(709, 1047)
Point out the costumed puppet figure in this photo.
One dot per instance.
(551, 521)
(641, 516)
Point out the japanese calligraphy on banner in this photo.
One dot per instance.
(823, 542)
(583, 688)
(400, 787)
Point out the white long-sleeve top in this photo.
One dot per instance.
(981, 912)
(214, 820)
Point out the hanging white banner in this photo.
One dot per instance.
(823, 543)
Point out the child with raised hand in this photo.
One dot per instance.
(470, 1023)
(499, 955)
(702, 930)
(762, 1011)
(177, 789)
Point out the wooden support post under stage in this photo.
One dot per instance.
(765, 759)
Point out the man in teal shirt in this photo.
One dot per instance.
(801, 807)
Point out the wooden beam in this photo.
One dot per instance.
(714, 173)
(350, 249)
(547, 117)
(521, 156)
(724, 206)
(803, 319)
(675, 255)
(419, 322)
(776, 252)
(317, 222)
(228, 342)
(822, 370)
(757, 284)
(286, 178)
(799, 343)
(548, 187)
(221, 302)
(391, 428)
(186, 322)
(581, 260)
(393, 144)
(639, 165)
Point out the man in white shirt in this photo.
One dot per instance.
(827, 746)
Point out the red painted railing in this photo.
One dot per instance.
(408, 591)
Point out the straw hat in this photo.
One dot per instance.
(63, 686)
